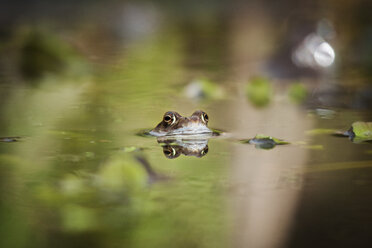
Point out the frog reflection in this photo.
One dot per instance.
(174, 148)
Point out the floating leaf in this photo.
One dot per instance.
(259, 92)
(265, 142)
(362, 130)
(277, 141)
(358, 133)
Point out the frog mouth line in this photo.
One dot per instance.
(185, 131)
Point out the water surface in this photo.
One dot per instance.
(74, 172)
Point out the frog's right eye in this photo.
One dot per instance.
(204, 118)
(169, 118)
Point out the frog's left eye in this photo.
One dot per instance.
(170, 118)
(205, 118)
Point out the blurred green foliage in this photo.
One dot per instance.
(297, 93)
(119, 174)
(78, 187)
(203, 89)
(68, 182)
(42, 52)
(259, 91)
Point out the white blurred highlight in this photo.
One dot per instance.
(314, 52)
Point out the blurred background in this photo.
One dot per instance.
(80, 79)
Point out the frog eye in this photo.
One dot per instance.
(170, 152)
(170, 119)
(205, 118)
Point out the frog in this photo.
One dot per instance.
(174, 124)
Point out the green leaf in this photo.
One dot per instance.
(276, 140)
(265, 142)
(362, 130)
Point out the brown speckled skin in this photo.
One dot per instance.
(180, 121)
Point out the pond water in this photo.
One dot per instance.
(75, 173)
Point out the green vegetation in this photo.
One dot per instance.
(77, 87)
(203, 89)
(259, 92)
(297, 93)
(361, 131)
(43, 53)
(74, 164)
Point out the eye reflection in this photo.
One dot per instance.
(173, 148)
(171, 152)
(204, 151)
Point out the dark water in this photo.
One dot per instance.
(75, 92)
